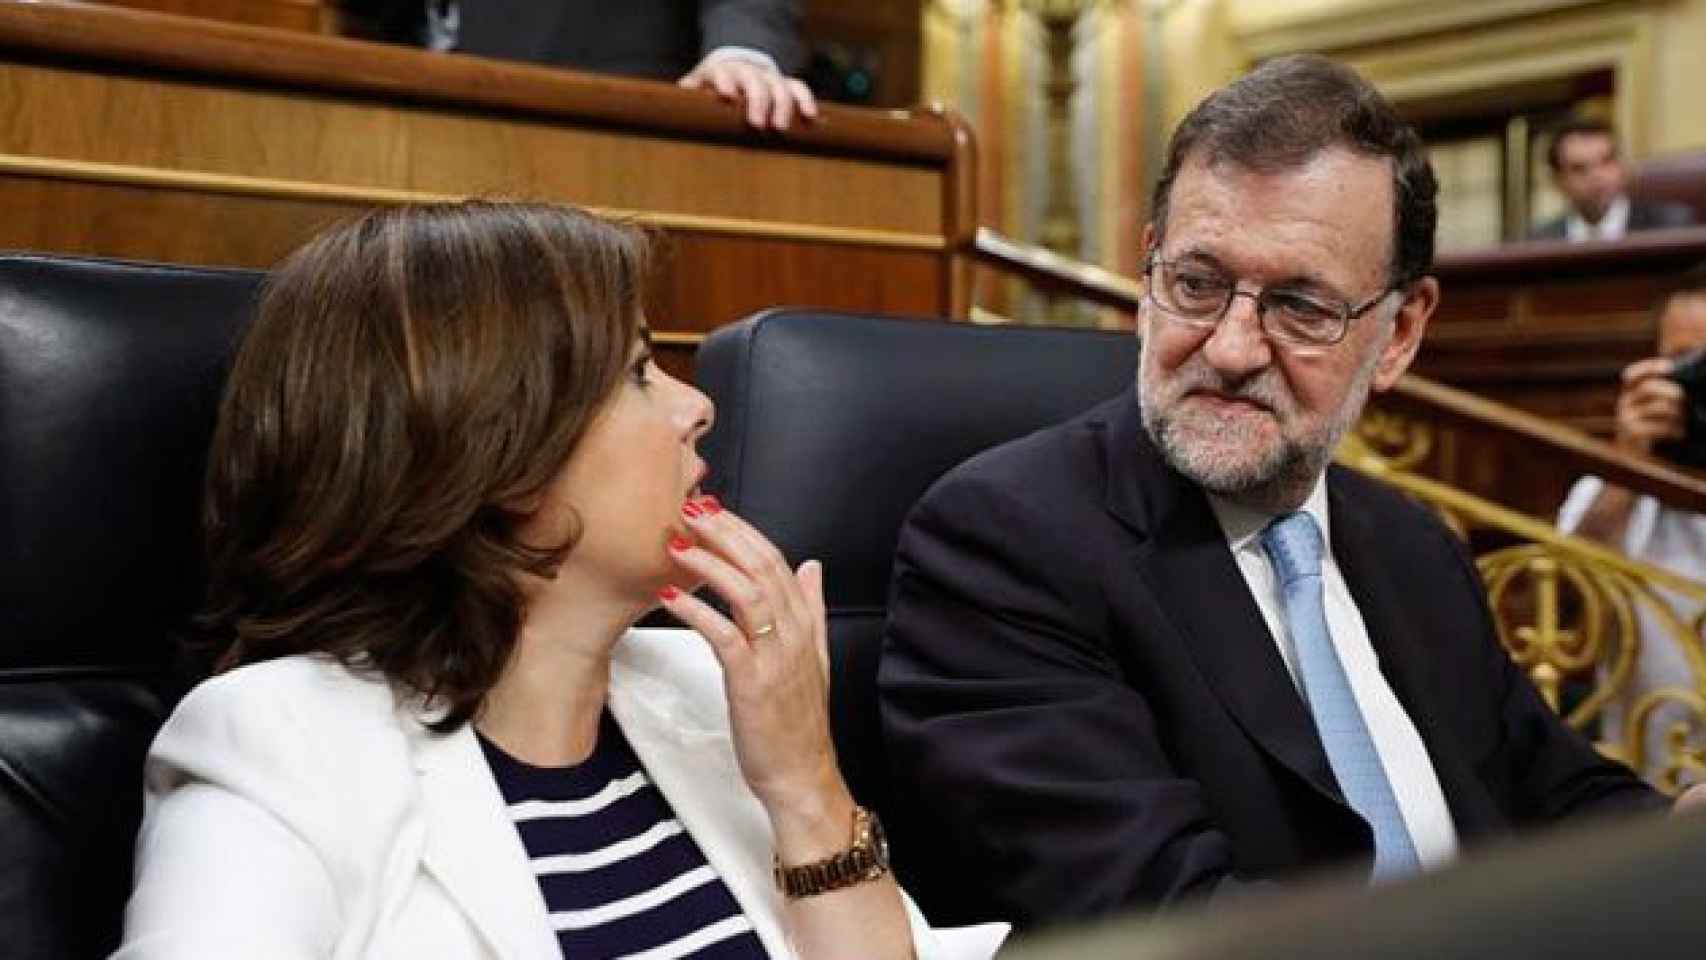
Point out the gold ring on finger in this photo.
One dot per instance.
(763, 631)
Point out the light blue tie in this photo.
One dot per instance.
(1293, 545)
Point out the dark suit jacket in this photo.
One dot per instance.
(1085, 711)
(661, 39)
(1642, 216)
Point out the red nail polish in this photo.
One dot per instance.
(668, 593)
(691, 509)
(711, 504)
(679, 543)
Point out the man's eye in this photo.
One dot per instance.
(1300, 308)
(1199, 285)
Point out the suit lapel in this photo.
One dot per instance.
(1183, 559)
(473, 849)
(680, 734)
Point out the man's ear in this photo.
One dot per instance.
(1409, 324)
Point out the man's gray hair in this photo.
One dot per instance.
(1283, 113)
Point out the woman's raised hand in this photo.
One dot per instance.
(773, 648)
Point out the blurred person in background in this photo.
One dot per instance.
(1588, 170)
(1652, 421)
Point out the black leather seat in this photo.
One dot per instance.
(830, 426)
(109, 379)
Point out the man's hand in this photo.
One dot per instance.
(1649, 406)
(771, 99)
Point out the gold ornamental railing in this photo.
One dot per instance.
(1575, 615)
(1578, 617)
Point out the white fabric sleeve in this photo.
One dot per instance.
(1643, 516)
(757, 58)
(220, 872)
(977, 942)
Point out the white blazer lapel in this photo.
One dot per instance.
(666, 694)
(473, 849)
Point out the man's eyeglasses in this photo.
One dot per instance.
(1199, 296)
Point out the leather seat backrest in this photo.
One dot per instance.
(830, 426)
(110, 375)
(1673, 178)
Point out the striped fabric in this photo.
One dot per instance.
(620, 876)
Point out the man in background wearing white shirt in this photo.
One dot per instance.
(1650, 413)
(1588, 170)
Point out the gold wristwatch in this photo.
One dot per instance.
(866, 859)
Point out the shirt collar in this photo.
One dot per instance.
(1613, 225)
(1242, 526)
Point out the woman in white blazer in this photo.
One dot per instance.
(445, 482)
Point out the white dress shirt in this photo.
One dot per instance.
(1667, 537)
(1612, 226)
(1415, 785)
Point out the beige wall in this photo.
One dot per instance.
(1679, 120)
(989, 60)
(1419, 47)
(1143, 64)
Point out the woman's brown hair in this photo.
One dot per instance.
(412, 382)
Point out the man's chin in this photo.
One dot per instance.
(1223, 468)
(1227, 479)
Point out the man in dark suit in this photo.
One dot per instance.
(1588, 171)
(742, 49)
(1162, 650)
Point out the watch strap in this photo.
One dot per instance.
(865, 859)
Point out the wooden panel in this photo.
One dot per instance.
(138, 42)
(703, 281)
(892, 30)
(278, 14)
(1548, 327)
(1484, 461)
(175, 125)
(1468, 305)
(708, 281)
(133, 134)
(171, 226)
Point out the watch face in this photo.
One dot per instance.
(879, 841)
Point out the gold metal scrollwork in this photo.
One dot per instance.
(1572, 614)
(1605, 635)
(1683, 759)
(1397, 442)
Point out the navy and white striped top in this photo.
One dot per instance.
(621, 878)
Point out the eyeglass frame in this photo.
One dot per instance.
(1211, 321)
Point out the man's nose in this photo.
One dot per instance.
(1238, 347)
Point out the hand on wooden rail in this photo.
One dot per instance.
(771, 99)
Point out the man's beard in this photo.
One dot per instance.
(1220, 453)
